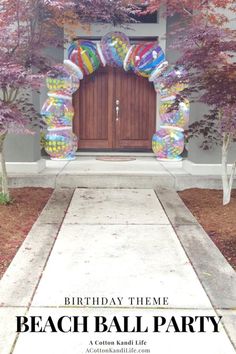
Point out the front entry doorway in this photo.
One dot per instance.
(115, 110)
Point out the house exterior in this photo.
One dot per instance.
(114, 110)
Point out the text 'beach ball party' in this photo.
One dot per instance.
(145, 59)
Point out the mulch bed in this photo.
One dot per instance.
(16, 220)
(218, 221)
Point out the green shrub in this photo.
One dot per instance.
(5, 199)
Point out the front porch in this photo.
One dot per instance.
(143, 171)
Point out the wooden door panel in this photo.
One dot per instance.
(137, 111)
(93, 120)
(95, 111)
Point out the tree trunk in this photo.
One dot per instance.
(4, 179)
(227, 181)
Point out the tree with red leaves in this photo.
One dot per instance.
(206, 43)
(27, 28)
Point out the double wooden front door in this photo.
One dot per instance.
(115, 110)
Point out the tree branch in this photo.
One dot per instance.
(187, 11)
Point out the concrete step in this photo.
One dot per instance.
(178, 182)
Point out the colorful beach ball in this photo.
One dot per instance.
(168, 91)
(58, 111)
(178, 117)
(61, 144)
(63, 80)
(145, 58)
(85, 56)
(168, 143)
(114, 48)
(163, 86)
(129, 61)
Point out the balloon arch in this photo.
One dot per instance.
(144, 59)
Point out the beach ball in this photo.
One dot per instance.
(85, 56)
(168, 143)
(145, 58)
(178, 117)
(168, 91)
(58, 111)
(75, 74)
(72, 53)
(128, 61)
(61, 144)
(63, 80)
(114, 48)
(163, 86)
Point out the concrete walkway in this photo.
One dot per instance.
(114, 245)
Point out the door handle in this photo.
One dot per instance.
(117, 110)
